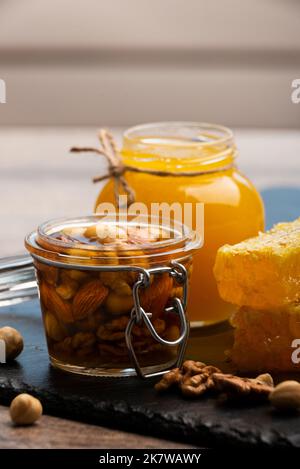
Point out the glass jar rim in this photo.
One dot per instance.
(226, 134)
(177, 248)
(197, 147)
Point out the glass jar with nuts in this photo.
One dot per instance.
(113, 292)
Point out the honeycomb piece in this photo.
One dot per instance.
(263, 339)
(261, 272)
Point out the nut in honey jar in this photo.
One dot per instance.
(113, 293)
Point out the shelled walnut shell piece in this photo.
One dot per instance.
(91, 322)
(197, 378)
(113, 330)
(196, 385)
(83, 340)
(239, 388)
(169, 379)
(194, 379)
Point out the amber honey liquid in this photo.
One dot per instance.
(233, 209)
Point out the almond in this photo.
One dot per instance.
(155, 297)
(88, 298)
(55, 304)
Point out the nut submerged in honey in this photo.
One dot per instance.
(87, 307)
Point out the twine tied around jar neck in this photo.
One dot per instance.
(117, 168)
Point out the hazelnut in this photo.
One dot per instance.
(116, 304)
(67, 290)
(25, 409)
(54, 329)
(113, 279)
(286, 396)
(77, 275)
(121, 288)
(13, 342)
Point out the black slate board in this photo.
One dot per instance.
(132, 404)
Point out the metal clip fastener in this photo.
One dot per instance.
(140, 316)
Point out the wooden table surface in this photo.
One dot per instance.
(53, 432)
(41, 180)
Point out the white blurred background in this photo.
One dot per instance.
(91, 63)
(119, 62)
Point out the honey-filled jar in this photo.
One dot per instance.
(194, 163)
(113, 293)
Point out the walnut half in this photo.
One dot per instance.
(237, 388)
(195, 379)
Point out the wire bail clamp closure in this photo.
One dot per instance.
(139, 316)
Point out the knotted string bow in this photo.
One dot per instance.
(117, 168)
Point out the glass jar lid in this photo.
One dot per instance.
(107, 239)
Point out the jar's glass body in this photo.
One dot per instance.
(233, 209)
(87, 299)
